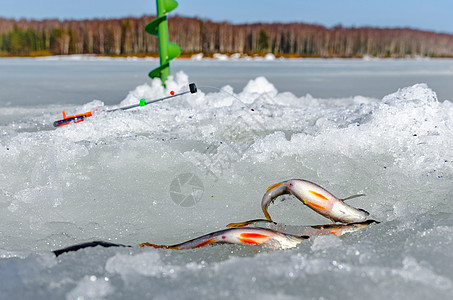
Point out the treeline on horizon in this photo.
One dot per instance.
(126, 36)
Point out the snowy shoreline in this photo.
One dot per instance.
(215, 56)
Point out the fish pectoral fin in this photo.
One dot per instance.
(353, 196)
(250, 222)
(153, 245)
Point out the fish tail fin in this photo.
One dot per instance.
(353, 196)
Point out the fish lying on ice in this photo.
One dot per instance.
(309, 193)
(317, 198)
(268, 238)
(316, 230)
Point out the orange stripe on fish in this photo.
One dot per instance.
(315, 205)
(249, 241)
(205, 243)
(274, 186)
(254, 235)
(318, 195)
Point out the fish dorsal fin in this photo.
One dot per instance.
(247, 223)
(353, 196)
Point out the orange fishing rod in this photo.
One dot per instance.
(81, 117)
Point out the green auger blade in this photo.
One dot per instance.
(159, 28)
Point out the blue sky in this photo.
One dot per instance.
(433, 15)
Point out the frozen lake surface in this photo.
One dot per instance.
(74, 79)
(375, 128)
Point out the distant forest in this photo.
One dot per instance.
(126, 36)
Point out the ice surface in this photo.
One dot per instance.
(110, 178)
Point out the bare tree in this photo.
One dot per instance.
(127, 37)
